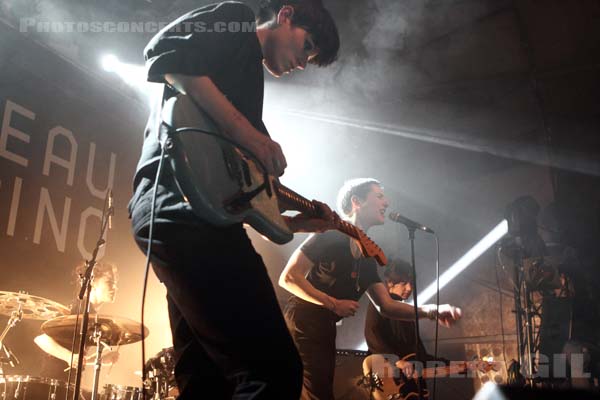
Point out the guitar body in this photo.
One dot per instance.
(222, 185)
(393, 384)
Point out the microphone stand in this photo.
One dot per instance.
(411, 236)
(86, 291)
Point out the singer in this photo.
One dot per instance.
(327, 276)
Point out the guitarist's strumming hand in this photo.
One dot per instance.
(343, 308)
(305, 222)
(447, 315)
(406, 367)
(267, 151)
(209, 98)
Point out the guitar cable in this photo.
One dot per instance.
(163, 154)
(230, 141)
(147, 266)
(501, 298)
(437, 309)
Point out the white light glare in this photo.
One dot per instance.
(134, 76)
(110, 63)
(488, 241)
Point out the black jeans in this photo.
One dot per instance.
(313, 329)
(229, 337)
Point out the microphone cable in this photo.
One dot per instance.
(437, 309)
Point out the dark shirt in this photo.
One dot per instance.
(336, 272)
(231, 58)
(388, 336)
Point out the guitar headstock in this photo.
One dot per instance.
(369, 248)
(484, 365)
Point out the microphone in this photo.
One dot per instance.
(409, 223)
(111, 209)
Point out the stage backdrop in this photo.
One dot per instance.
(66, 136)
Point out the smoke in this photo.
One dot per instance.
(391, 49)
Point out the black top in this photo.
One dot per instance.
(388, 336)
(336, 272)
(218, 41)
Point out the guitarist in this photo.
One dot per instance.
(395, 337)
(327, 276)
(229, 336)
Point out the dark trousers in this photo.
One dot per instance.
(229, 337)
(313, 329)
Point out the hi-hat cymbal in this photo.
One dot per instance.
(33, 307)
(114, 330)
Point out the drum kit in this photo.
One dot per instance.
(103, 331)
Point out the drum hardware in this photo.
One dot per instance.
(24, 387)
(113, 330)
(7, 356)
(85, 294)
(118, 392)
(30, 307)
(19, 306)
(97, 336)
(160, 372)
(105, 331)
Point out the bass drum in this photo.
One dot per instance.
(160, 370)
(117, 392)
(24, 387)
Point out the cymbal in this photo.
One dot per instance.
(33, 307)
(114, 330)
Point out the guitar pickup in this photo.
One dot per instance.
(246, 173)
(241, 200)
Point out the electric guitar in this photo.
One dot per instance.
(388, 382)
(224, 186)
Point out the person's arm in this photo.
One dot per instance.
(51, 347)
(392, 309)
(325, 220)
(293, 279)
(229, 120)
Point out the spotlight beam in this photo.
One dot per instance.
(462, 263)
(531, 153)
(488, 241)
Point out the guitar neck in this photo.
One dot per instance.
(444, 371)
(302, 204)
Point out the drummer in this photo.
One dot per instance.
(104, 290)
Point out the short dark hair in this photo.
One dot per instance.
(316, 19)
(359, 187)
(398, 270)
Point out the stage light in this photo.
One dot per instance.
(488, 241)
(134, 76)
(110, 63)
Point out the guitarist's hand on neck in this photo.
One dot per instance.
(305, 222)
